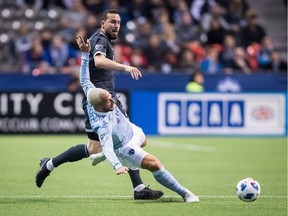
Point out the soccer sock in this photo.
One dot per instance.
(135, 178)
(49, 165)
(75, 153)
(139, 187)
(167, 180)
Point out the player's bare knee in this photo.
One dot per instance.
(91, 149)
(155, 165)
(94, 147)
(151, 163)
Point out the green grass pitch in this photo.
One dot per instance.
(210, 167)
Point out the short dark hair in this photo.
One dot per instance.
(109, 11)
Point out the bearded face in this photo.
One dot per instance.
(111, 26)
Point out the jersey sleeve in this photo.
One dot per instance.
(105, 137)
(100, 46)
(85, 82)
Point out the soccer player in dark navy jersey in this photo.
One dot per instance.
(104, 78)
(102, 69)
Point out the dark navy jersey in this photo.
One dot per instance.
(101, 78)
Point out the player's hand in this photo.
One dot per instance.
(122, 170)
(84, 47)
(135, 73)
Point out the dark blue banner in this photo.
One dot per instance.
(158, 81)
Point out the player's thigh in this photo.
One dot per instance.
(94, 146)
(131, 156)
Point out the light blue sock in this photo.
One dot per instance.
(167, 180)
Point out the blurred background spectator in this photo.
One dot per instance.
(215, 13)
(187, 62)
(276, 63)
(34, 55)
(216, 33)
(186, 30)
(253, 32)
(20, 45)
(73, 18)
(196, 82)
(240, 62)
(155, 50)
(157, 36)
(211, 64)
(60, 54)
(264, 53)
(227, 54)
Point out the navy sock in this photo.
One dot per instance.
(75, 153)
(135, 177)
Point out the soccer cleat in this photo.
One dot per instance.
(42, 172)
(147, 194)
(190, 197)
(97, 158)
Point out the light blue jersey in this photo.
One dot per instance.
(113, 128)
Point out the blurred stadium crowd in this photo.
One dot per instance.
(213, 36)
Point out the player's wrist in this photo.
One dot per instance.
(85, 55)
(127, 68)
(117, 166)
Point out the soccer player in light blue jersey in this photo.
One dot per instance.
(120, 139)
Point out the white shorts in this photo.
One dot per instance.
(131, 155)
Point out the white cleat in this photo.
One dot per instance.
(97, 158)
(190, 197)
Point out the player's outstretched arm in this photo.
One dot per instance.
(85, 82)
(102, 62)
(105, 135)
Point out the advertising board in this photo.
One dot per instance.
(44, 112)
(243, 114)
(181, 113)
(41, 112)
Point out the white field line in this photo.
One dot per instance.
(120, 197)
(187, 146)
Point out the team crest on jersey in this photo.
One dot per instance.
(131, 152)
(103, 137)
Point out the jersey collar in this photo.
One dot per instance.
(103, 33)
(101, 113)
